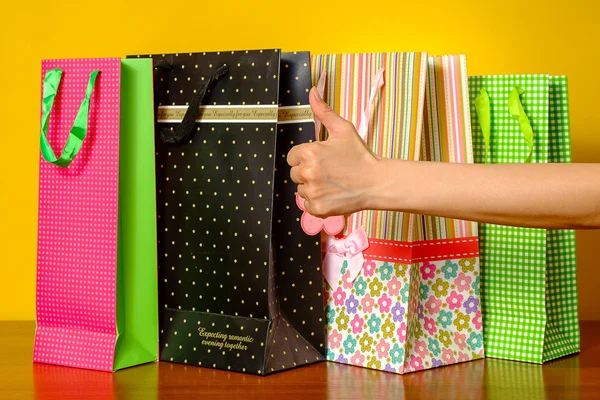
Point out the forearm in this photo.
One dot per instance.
(532, 195)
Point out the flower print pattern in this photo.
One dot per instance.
(445, 318)
(416, 363)
(477, 320)
(433, 305)
(339, 296)
(369, 268)
(398, 312)
(360, 286)
(449, 269)
(341, 359)
(462, 321)
(335, 339)
(448, 356)
(429, 325)
(385, 271)
(427, 270)
(349, 344)
(467, 264)
(403, 318)
(366, 341)
(367, 303)
(382, 348)
(344, 267)
(329, 314)
(445, 338)
(375, 287)
(463, 282)
(440, 287)
(475, 341)
(389, 368)
(404, 293)
(351, 304)
(387, 329)
(460, 340)
(357, 359)
(394, 286)
(401, 332)
(330, 354)
(384, 303)
(421, 348)
(423, 291)
(374, 363)
(342, 321)
(374, 323)
(471, 305)
(475, 286)
(347, 281)
(401, 269)
(434, 346)
(357, 324)
(397, 354)
(454, 300)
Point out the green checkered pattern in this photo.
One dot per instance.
(562, 335)
(529, 289)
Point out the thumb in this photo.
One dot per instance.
(332, 121)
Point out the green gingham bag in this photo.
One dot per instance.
(529, 285)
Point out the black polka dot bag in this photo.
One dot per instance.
(240, 285)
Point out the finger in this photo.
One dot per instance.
(309, 206)
(325, 114)
(296, 155)
(296, 175)
(301, 192)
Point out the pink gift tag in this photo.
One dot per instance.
(312, 225)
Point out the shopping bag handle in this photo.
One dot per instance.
(363, 130)
(321, 90)
(80, 125)
(184, 130)
(515, 107)
(367, 112)
(482, 108)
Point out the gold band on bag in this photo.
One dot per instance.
(239, 114)
(295, 114)
(212, 114)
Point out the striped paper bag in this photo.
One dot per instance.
(406, 297)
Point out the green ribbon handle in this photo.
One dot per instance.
(517, 111)
(482, 107)
(80, 125)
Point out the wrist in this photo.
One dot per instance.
(379, 183)
(389, 181)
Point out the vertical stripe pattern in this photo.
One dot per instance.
(396, 124)
(447, 135)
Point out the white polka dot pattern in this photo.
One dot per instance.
(77, 226)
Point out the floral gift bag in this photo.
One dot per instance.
(402, 291)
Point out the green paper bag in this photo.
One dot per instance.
(529, 285)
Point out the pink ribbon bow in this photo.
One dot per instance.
(348, 249)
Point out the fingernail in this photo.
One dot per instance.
(317, 94)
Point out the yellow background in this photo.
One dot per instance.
(499, 37)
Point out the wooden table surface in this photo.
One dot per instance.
(567, 378)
